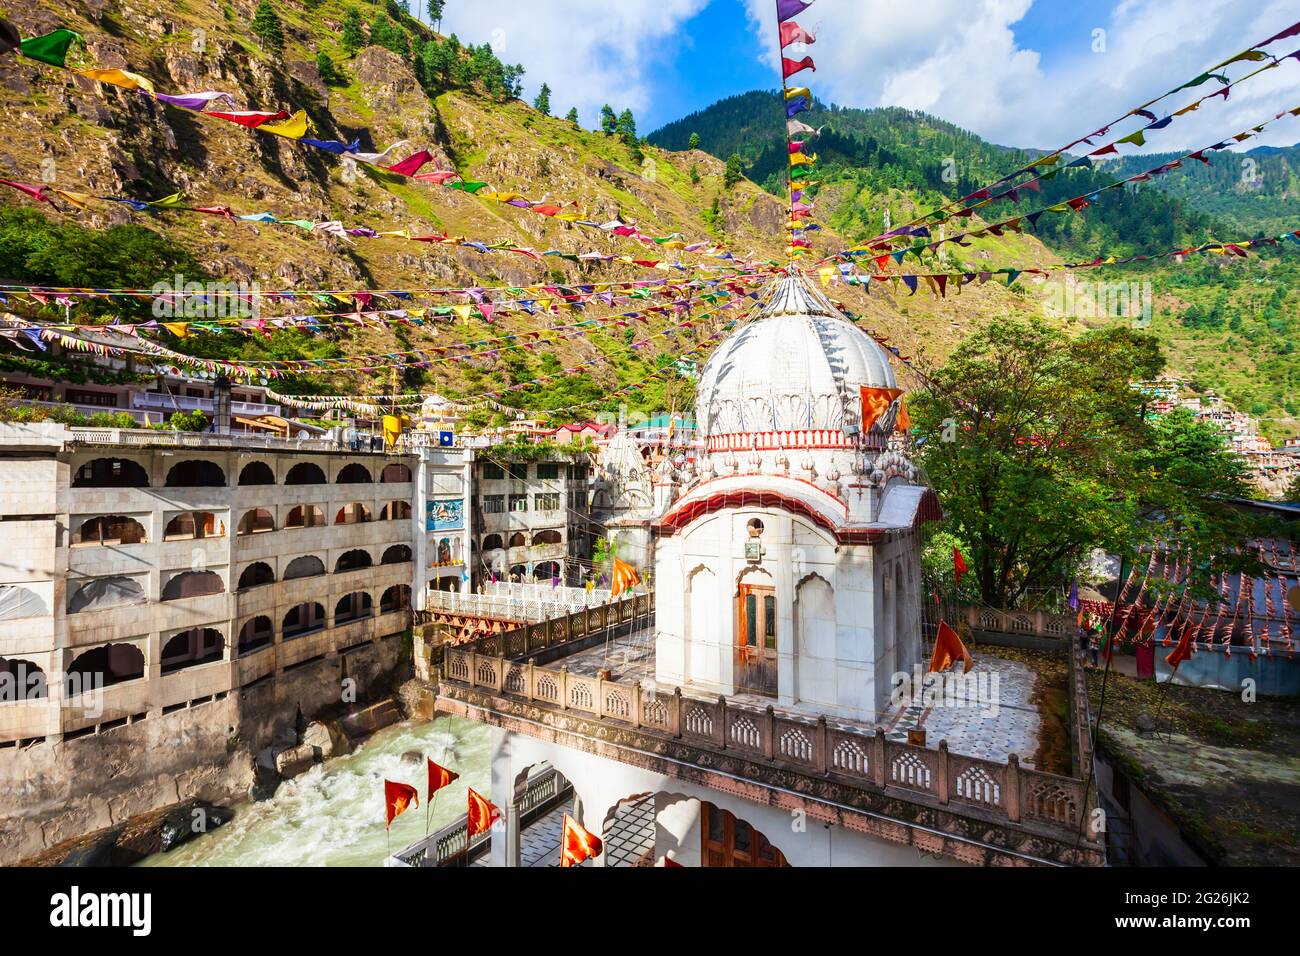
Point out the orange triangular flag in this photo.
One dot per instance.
(439, 777)
(948, 648)
(482, 813)
(625, 577)
(577, 844)
(398, 798)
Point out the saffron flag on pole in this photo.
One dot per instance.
(958, 564)
(875, 402)
(1184, 648)
(398, 798)
(947, 649)
(577, 844)
(439, 777)
(625, 577)
(481, 815)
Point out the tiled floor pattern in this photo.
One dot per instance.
(974, 729)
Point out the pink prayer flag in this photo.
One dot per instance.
(411, 165)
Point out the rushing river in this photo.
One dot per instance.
(333, 815)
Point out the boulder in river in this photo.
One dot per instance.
(188, 822)
(289, 763)
(327, 739)
(413, 756)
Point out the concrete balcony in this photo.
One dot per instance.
(166, 404)
(26, 635)
(202, 680)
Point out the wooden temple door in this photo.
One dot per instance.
(729, 841)
(756, 640)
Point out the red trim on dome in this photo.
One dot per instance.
(687, 512)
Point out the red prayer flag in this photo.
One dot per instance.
(440, 777)
(958, 564)
(577, 844)
(250, 119)
(482, 813)
(793, 33)
(947, 649)
(790, 67)
(411, 165)
(1184, 649)
(398, 797)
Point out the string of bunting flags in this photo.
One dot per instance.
(798, 99)
(939, 282)
(335, 228)
(53, 48)
(550, 300)
(271, 370)
(1075, 204)
(985, 195)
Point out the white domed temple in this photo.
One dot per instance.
(790, 564)
(740, 713)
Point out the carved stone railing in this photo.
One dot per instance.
(1036, 623)
(1004, 792)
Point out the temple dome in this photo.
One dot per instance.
(797, 368)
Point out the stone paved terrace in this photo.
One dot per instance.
(991, 733)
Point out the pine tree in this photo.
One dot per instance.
(608, 121)
(543, 101)
(435, 9)
(627, 128)
(329, 73)
(694, 141)
(573, 116)
(354, 38)
(735, 171)
(267, 28)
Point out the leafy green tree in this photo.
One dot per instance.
(572, 116)
(329, 73)
(1040, 451)
(1292, 493)
(734, 172)
(267, 27)
(543, 101)
(387, 34)
(695, 174)
(436, 8)
(694, 141)
(354, 37)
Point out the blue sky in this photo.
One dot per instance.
(1018, 72)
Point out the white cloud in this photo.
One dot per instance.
(962, 61)
(589, 52)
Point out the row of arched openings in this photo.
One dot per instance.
(196, 473)
(309, 565)
(494, 542)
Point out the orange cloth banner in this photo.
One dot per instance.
(947, 649)
(875, 402)
(482, 813)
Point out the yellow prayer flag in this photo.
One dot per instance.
(122, 78)
(826, 273)
(295, 127)
(178, 329)
(80, 200)
(464, 311)
(796, 91)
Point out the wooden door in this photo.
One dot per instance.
(756, 640)
(728, 841)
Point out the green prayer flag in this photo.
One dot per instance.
(466, 186)
(49, 48)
